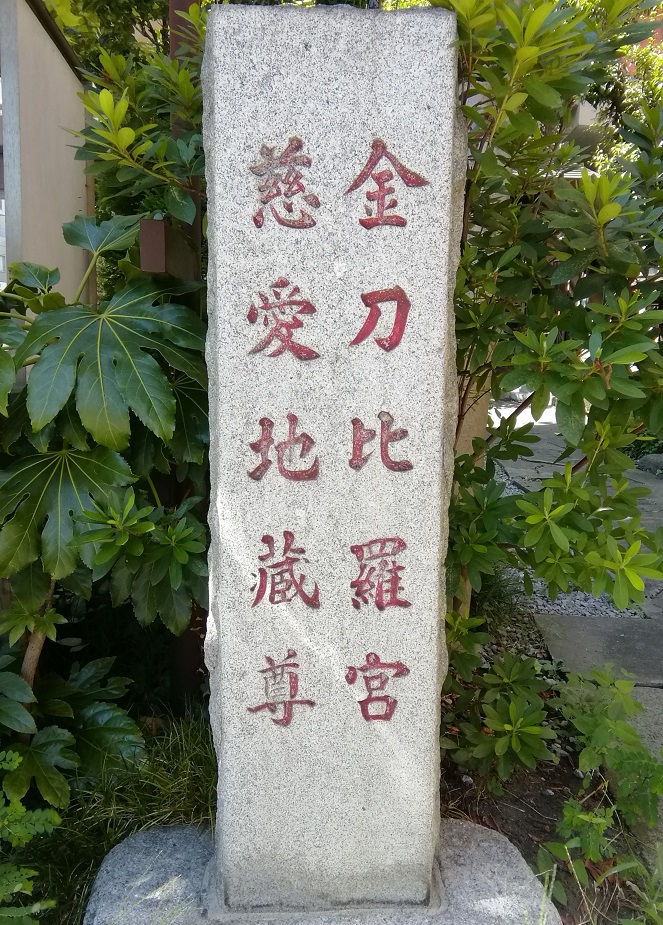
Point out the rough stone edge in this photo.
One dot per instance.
(486, 880)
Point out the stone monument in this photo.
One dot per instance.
(335, 171)
(335, 179)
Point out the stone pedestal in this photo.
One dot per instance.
(157, 878)
(335, 179)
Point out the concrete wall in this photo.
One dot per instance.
(44, 185)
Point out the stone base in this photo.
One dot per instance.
(156, 878)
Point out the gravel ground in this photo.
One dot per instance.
(576, 603)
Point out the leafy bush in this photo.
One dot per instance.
(18, 826)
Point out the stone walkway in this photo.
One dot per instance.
(584, 640)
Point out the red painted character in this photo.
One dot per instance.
(362, 435)
(379, 575)
(381, 195)
(372, 301)
(376, 675)
(282, 316)
(281, 182)
(281, 688)
(284, 455)
(284, 586)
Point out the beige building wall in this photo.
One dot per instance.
(44, 185)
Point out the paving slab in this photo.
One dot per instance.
(649, 723)
(156, 877)
(584, 643)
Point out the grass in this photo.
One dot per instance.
(501, 595)
(176, 785)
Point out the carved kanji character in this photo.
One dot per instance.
(285, 458)
(372, 301)
(382, 179)
(376, 674)
(281, 182)
(281, 688)
(281, 316)
(362, 435)
(379, 575)
(280, 578)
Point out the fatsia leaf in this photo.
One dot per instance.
(7, 378)
(29, 588)
(14, 692)
(116, 234)
(11, 333)
(107, 739)
(34, 276)
(104, 356)
(44, 493)
(91, 682)
(49, 750)
(191, 436)
(14, 716)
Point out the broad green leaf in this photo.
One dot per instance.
(14, 716)
(620, 593)
(191, 436)
(34, 276)
(542, 92)
(118, 233)
(537, 18)
(121, 580)
(143, 595)
(44, 493)
(559, 536)
(174, 606)
(29, 588)
(7, 379)
(540, 401)
(107, 357)
(608, 212)
(571, 419)
(626, 387)
(15, 688)
(92, 683)
(180, 204)
(571, 267)
(79, 582)
(514, 101)
(625, 356)
(656, 416)
(11, 332)
(49, 750)
(107, 739)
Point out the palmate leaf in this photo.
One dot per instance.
(118, 233)
(49, 750)
(7, 379)
(104, 356)
(34, 276)
(191, 437)
(107, 739)
(42, 494)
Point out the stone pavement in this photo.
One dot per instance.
(584, 640)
